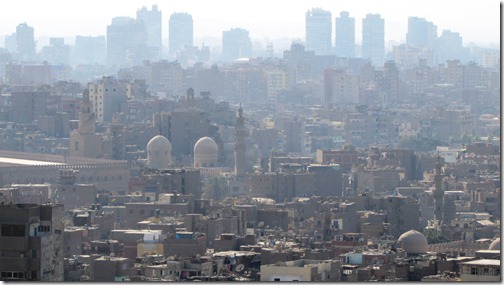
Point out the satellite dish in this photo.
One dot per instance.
(261, 223)
(239, 268)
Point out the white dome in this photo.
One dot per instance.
(413, 242)
(205, 152)
(495, 245)
(158, 152)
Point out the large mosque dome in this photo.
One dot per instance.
(158, 152)
(495, 245)
(413, 242)
(205, 152)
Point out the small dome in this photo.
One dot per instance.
(159, 142)
(495, 245)
(158, 152)
(413, 242)
(205, 145)
(205, 152)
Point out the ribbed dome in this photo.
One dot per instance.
(413, 242)
(205, 152)
(495, 245)
(158, 152)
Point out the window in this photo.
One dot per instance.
(486, 271)
(276, 279)
(13, 230)
(34, 253)
(44, 229)
(474, 271)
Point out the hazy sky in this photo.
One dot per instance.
(476, 21)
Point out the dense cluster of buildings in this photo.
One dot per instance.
(316, 166)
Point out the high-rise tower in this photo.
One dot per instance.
(25, 42)
(373, 39)
(345, 35)
(126, 42)
(421, 33)
(236, 43)
(180, 33)
(240, 144)
(318, 31)
(152, 20)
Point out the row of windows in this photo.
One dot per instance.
(44, 229)
(13, 275)
(152, 212)
(82, 179)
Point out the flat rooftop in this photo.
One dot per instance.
(7, 161)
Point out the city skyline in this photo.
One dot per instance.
(260, 18)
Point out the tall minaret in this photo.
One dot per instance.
(87, 118)
(240, 144)
(438, 194)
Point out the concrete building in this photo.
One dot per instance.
(346, 158)
(108, 96)
(72, 194)
(318, 31)
(185, 244)
(302, 270)
(345, 35)
(373, 39)
(109, 269)
(421, 33)
(481, 270)
(89, 50)
(236, 44)
(126, 42)
(27, 106)
(180, 35)
(340, 87)
(31, 242)
(25, 42)
(152, 20)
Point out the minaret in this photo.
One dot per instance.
(87, 123)
(438, 194)
(240, 144)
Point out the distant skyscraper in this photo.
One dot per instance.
(318, 31)
(373, 38)
(421, 33)
(10, 42)
(345, 35)
(126, 42)
(152, 20)
(449, 47)
(236, 43)
(180, 33)
(25, 42)
(89, 50)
